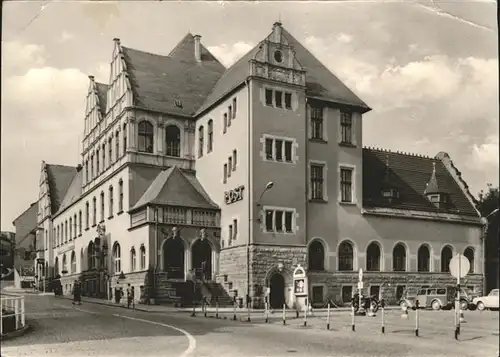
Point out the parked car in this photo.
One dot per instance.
(444, 298)
(408, 298)
(487, 302)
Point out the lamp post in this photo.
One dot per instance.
(485, 222)
(268, 186)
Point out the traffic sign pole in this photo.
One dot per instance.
(459, 268)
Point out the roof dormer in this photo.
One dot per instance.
(389, 191)
(436, 195)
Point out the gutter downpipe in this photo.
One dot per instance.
(250, 193)
(306, 156)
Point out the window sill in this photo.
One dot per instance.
(95, 224)
(119, 213)
(347, 203)
(80, 235)
(110, 217)
(318, 140)
(86, 229)
(102, 221)
(347, 145)
(318, 200)
(281, 233)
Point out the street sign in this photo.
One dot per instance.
(360, 275)
(459, 266)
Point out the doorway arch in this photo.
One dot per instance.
(201, 257)
(173, 258)
(277, 293)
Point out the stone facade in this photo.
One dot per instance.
(138, 280)
(233, 269)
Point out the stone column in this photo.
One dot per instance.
(132, 134)
(160, 139)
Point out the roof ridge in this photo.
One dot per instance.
(59, 165)
(146, 52)
(189, 34)
(374, 148)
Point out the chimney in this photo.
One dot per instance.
(79, 168)
(197, 47)
(277, 31)
(91, 77)
(116, 40)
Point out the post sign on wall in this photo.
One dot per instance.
(234, 195)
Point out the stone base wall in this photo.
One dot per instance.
(337, 284)
(233, 270)
(135, 279)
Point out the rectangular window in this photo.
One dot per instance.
(234, 160)
(346, 127)
(229, 166)
(94, 218)
(87, 214)
(229, 115)
(279, 221)
(103, 157)
(269, 97)
(110, 153)
(225, 173)
(288, 100)
(278, 96)
(102, 207)
(230, 233)
(111, 201)
(117, 141)
(317, 182)
(120, 193)
(225, 123)
(70, 229)
(97, 162)
(346, 184)
(269, 149)
(288, 151)
(235, 228)
(375, 290)
(234, 108)
(65, 231)
(279, 150)
(317, 123)
(80, 222)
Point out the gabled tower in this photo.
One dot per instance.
(436, 195)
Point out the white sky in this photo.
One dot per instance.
(429, 70)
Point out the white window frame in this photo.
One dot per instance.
(325, 179)
(325, 123)
(353, 185)
(295, 227)
(283, 90)
(354, 120)
(295, 146)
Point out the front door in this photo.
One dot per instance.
(202, 259)
(277, 293)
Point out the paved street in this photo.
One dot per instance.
(61, 329)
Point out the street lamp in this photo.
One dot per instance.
(485, 222)
(268, 186)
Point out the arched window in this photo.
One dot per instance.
(373, 257)
(469, 254)
(56, 266)
(90, 256)
(316, 256)
(73, 262)
(399, 258)
(200, 141)
(82, 261)
(173, 140)
(111, 202)
(120, 194)
(143, 257)
(145, 129)
(446, 255)
(65, 231)
(133, 258)
(70, 228)
(346, 256)
(117, 142)
(124, 138)
(423, 259)
(64, 264)
(210, 129)
(75, 233)
(117, 267)
(80, 222)
(58, 235)
(102, 206)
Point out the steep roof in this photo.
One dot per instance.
(410, 175)
(159, 81)
(60, 177)
(73, 193)
(176, 188)
(102, 95)
(320, 82)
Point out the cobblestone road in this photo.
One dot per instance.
(61, 329)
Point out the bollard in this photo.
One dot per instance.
(416, 318)
(248, 308)
(234, 309)
(266, 312)
(462, 317)
(297, 313)
(328, 317)
(216, 307)
(382, 305)
(16, 313)
(305, 316)
(23, 315)
(284, 314)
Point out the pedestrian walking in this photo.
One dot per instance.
(129, 296)
(77, 293)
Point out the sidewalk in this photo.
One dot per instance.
(211, 309)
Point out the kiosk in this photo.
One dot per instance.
(300, 288)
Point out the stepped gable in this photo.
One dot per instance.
(73, 193)
(172, 187)
(102, 96)
(410, 174)
(60, 177)
(176, 84)
(321, 83)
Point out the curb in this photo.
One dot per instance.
(17, 333)
(106, 304)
